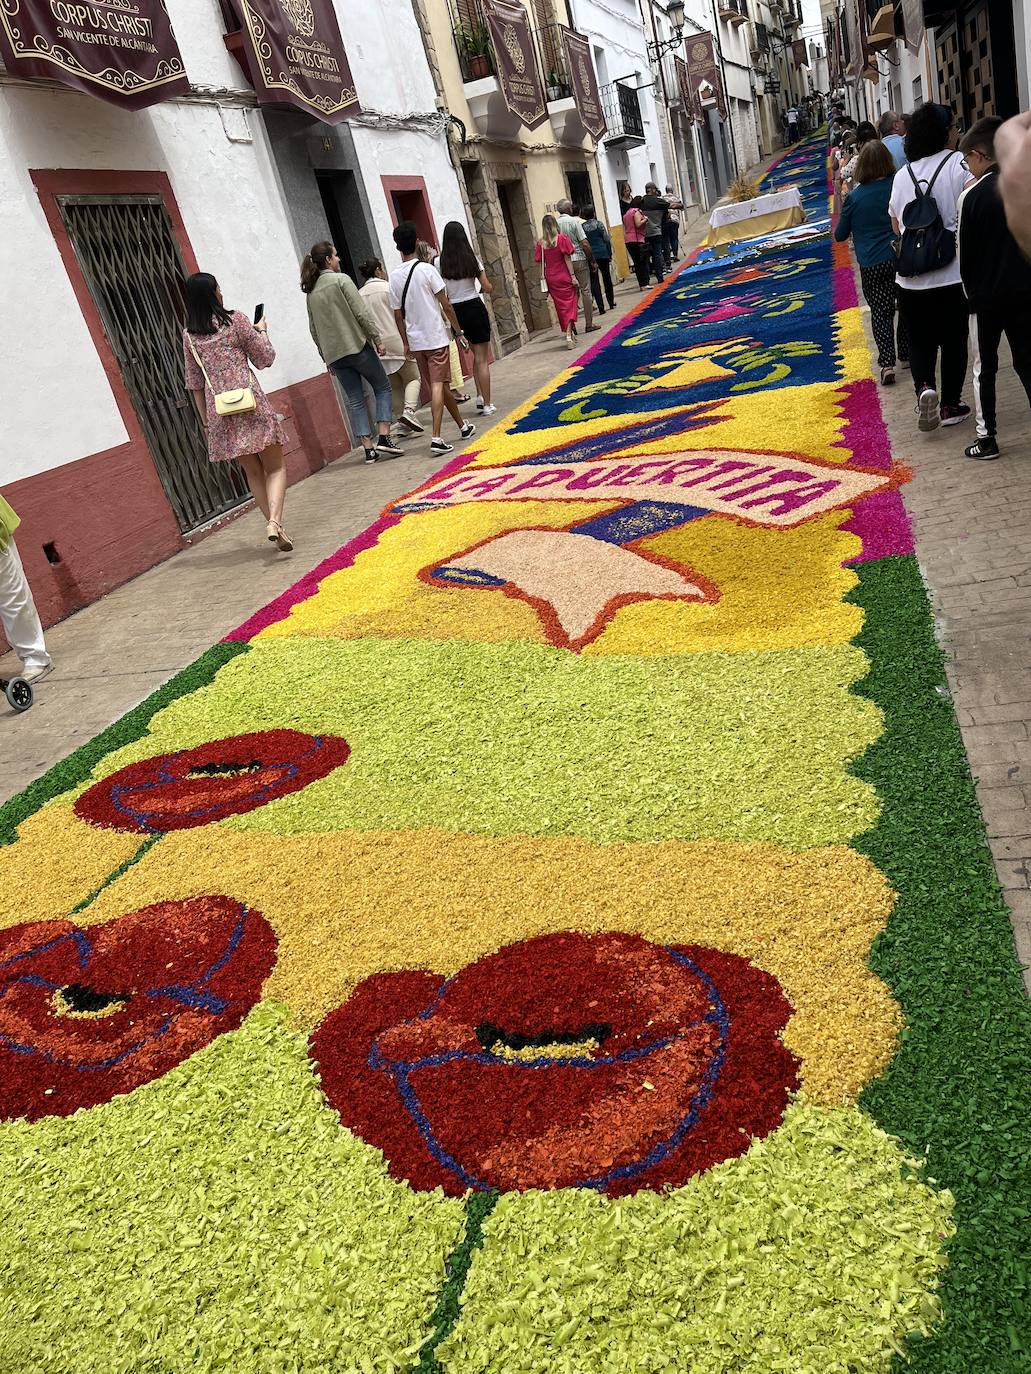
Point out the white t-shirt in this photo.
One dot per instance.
(424, 323)
(463, 288)
(951, 180)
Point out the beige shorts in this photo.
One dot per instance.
(434, 364)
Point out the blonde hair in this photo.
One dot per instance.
(549, 231)
(424, 251)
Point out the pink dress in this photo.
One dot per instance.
(225, 355)
(557, 273)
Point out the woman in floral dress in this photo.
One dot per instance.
(228, 346)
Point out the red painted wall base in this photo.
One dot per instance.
(107, 516)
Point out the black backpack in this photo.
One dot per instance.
(926, 244)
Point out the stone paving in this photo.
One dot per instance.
(973, 542)
(114, 653)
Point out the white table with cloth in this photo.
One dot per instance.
(751, 219)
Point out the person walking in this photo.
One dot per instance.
(348, 341)
(582, 262)
(892, 133)
(554, 252)
(402, 372)
(220, 347)
(18, 614)
(996, 279)
(676, 205)
(865, 218)
(791, 121)
(635, 222)
(425, 252)
(601, 246)
(657, 212)
(930, 295)
(466, 284)
(418, 298)
(865, 133)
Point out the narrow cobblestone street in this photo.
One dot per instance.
(973, 540)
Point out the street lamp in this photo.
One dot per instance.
(675, 15)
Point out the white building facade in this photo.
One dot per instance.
(104, 210)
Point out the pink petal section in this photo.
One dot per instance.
(880, 521)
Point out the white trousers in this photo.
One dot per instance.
(18, 611)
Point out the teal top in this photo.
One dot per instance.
(864, 215)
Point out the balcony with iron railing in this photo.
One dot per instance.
(563, 110)
(733, 11)
(792, 14)
(622, 108)
(478, 65)
(758, 40)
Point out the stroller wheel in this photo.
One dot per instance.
(18, 693)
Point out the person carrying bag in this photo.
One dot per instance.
(220, 348)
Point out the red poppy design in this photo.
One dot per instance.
(86, 1014)
(225, 777)
(571, 1060)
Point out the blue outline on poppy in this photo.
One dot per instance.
(400, 1074)
(190, 995)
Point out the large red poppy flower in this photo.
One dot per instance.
(225, 777)
(571, 1060)
(89, 1013)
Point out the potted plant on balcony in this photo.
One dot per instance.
(474, 45)
(557, 89)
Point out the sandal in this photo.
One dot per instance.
(460, 396)
(278, 536)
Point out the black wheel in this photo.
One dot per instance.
(19, 694)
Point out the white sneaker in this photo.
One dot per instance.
(488, 410)
(441, 446)
(37, 672)
(411, 423)
(927, 410)
(479, 404)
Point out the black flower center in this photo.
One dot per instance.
(223, 770)
(78, 1000)
(491, 1036)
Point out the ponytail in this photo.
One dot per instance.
(314, 265)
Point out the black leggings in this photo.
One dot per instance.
(641, 258)
(992, 323)
(937, 319)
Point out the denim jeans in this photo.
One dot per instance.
(349, 372)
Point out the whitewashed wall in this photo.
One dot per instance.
(227, 188)
(615, 27)
(229, 198)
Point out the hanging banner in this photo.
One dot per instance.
(833, 61)
(703, 68)
(121, 50)
(515, 60)
(913, 21)
(856, 33)
(800, 53)
(296, 56)
(691, 110)
(584, 82)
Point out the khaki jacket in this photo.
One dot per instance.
(338, 318)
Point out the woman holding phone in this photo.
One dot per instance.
(220, 347)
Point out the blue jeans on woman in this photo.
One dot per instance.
(349, 372)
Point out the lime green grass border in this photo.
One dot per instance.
(960, 1087)
(77, 767)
